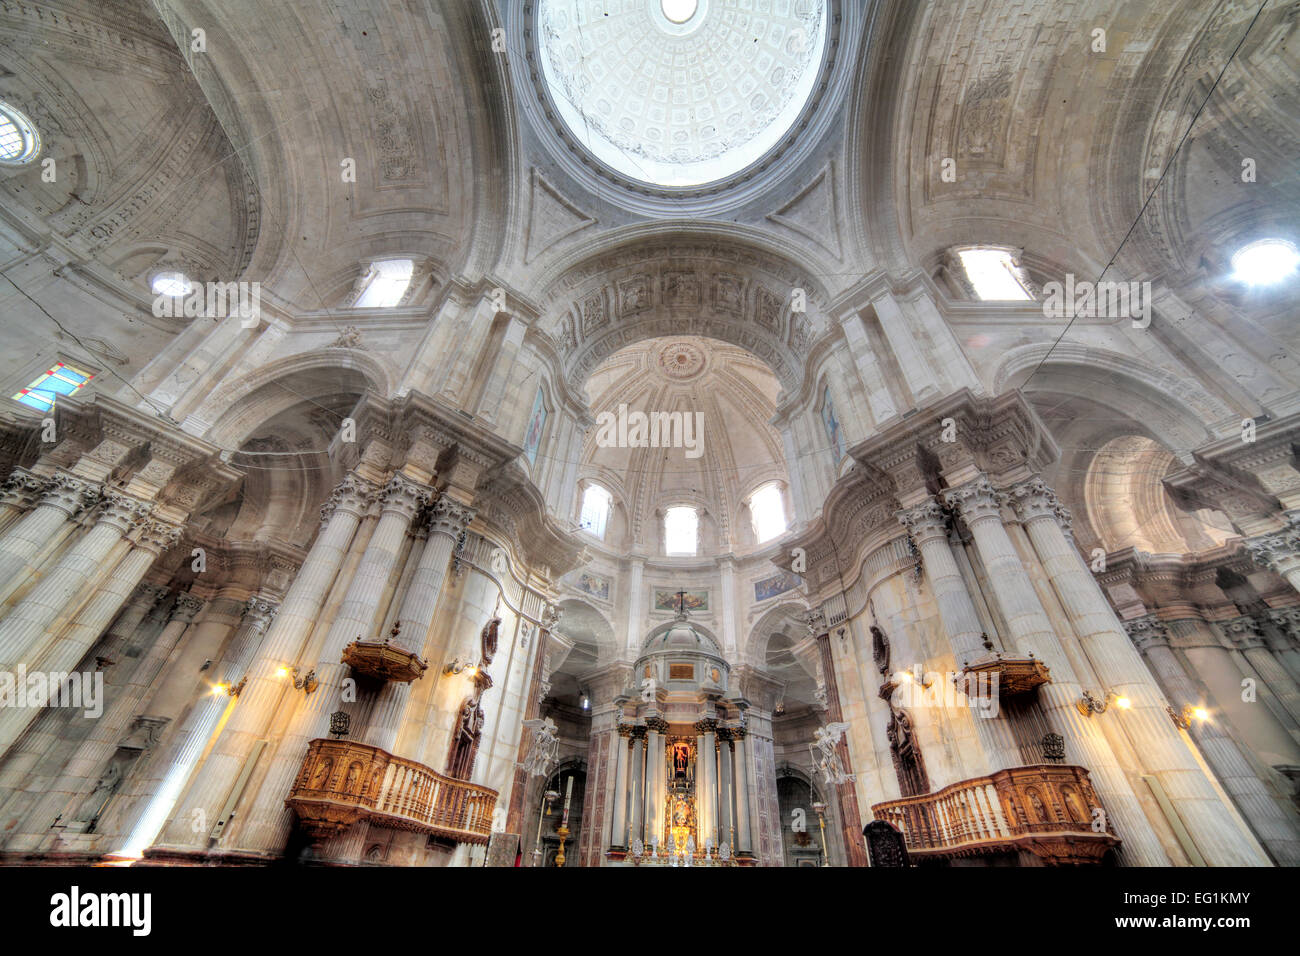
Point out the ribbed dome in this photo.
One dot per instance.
(681, 636)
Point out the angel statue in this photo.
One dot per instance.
(824, 757)
(543, 749)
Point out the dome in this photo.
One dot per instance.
(680, 92)
(682, 636)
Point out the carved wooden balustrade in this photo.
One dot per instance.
(1045, 809)
(342, 782)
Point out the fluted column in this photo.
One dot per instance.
(1161, 749)
(279, 649)
(63, 498)
(35, 620)
(1245, 635)
(1031, 631)
(266, 824)
(726, 791)
(928, 526)
(637, 786)
(1287, 621)
(447, 520)
(65, 651)
(656, 727)
(706, 787)
(744, 829)
(618, 825)
(1278, 828)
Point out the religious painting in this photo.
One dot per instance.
(668, 600)
(536, 422)
(594, 585)
(833, 430)
(776, 584)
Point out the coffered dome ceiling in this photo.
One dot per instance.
(680, 92)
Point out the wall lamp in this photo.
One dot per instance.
(458, 666)
(1183, 719)
(1090, 703)
(307, 682)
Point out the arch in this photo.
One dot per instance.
(254, 398)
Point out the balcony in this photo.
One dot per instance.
(343, 782)
(1013, 675)
(1044, 809)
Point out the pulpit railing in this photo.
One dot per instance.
(342, 782)
(1048, 809)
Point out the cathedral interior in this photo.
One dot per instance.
(648, 433)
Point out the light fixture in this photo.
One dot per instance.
(1091, 703)
(458, 667)
(173, 284)
(306, 683)
(1183, 719)
(1200, 713)
(1265, 261)
(1123, 703)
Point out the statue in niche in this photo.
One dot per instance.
(681, 758)
(908, 765)
(105, 787)
(465, 739)
(880, 649)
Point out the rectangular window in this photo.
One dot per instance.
(61, 379)
(681, 531)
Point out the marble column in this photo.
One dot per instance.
(637, 785)
(266, 824)
(1287, 621)
(1278, 551)
(34, 622)
(1277, 828)
(447, 520)
(726, 791)
(928, 526)
(64, 497)
(1245, 635)
(1162, 750)
(618, 825)
(706, 786)
(71, 646)
(744, 828)
(656, 728)
(280, 648)
(1032, 632)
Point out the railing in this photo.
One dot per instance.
(342, 782)
(1046, 809)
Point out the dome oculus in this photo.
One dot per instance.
(679, 92)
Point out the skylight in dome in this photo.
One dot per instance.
(768, 512)
(595, 510)
(387, 283)
(993, 274)
(681, 531)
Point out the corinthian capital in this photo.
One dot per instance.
(924, 521)
(159, 536)
(448, 516)
(1146, 632)
(69, 493)
(123, 511)
(187, 607)
(1279, 551)
(403, 496)
(975, 500)
(1033, 499)
(353, 494)
(1243, 632)
(21, 489)
(259, 612)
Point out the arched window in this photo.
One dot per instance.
(596, 503)
(385, 283)
(19, 142)
(681, 530)
(767, 511)
(994, 274)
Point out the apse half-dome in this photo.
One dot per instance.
(681, 93)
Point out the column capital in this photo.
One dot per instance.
(815, 620)
(1287, 619)
(403, 496)
(187, 607)
(976, 500)
(1146, 632)
(259, 612)
(924, 521)
(706, 726)
(69, 493)
(353, 494)
(1278, 551)
(626, 731)
(22, 488)
(1033, 499)
(122, 511)
(159, 536)
(1243, 632)
(448, 516)
(656, 724)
